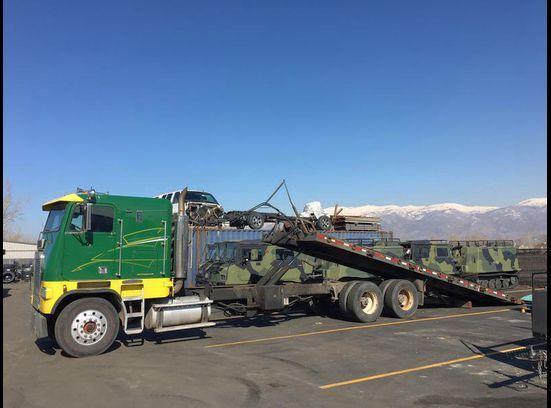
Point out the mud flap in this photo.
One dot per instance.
(39, 325)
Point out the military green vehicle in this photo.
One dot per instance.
(388, 246)
(492, 264)
(245, 262)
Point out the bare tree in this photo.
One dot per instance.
(12, 211)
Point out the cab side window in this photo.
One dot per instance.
(176, 197)
(102, 218)
(76, 219)
(442, 252)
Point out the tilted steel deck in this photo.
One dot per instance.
(388, 267)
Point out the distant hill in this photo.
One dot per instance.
(526, 219)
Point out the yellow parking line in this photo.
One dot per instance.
(342, 329)
(425, 367)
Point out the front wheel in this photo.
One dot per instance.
(87, 327)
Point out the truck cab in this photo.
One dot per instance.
(104, 250)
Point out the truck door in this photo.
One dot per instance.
(89, 255)
(140, 235)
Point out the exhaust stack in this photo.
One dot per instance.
(181, 246)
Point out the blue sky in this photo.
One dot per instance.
(357, 102)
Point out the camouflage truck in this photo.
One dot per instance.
(492, 264)
(245, 262)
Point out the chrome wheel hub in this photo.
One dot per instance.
(88, 327)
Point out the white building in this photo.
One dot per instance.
(18, 251)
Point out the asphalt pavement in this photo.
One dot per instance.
(445, 357)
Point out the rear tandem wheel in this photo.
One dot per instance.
(364, 303)
(401, 299)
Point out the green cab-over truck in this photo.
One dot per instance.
(107, 261)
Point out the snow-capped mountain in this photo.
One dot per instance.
(457, 221)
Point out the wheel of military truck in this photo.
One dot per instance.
(514, 281)
(323, 223)
(255, 220)
(343, 296)
(365, 302)
(8, 277)
(401, 299)
(87, 327)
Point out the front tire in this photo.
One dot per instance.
(87, 327)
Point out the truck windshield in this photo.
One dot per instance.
(54, 219)
(200, 197)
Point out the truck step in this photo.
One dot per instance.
(134, 316)
(129, 299)
(133, 331)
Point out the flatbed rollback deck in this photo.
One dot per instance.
(387, 267)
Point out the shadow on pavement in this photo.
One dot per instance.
(50, 347)
(518, 359)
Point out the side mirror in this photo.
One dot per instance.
(88, 217)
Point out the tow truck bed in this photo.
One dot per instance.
(387, 267)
